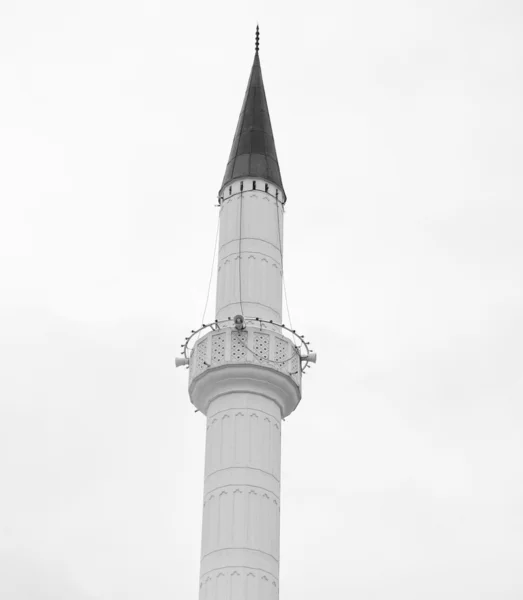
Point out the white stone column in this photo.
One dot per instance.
(241, 510)
(244, 404)
(251, 233)
(245, 383)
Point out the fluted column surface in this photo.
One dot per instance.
(241, 514)
(249, 280)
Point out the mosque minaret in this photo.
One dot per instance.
(245, 368)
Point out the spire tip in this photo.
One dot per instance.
(257, 45)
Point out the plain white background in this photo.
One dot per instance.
(399, 132)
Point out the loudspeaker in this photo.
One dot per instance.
(180, 362)
(310, 357)
(239, 322)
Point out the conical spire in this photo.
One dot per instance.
(253, 153)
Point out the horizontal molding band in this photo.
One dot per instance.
(277, 577)
(260, 191)
(240, 548)
(250, 468)
(244, 408)
(241, 485)
(231, 392)
(249, 302)
(249, 252)
(250, 238)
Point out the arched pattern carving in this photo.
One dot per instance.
(263, 280)
(267, 445)
(221, 585)
(276, 450)
(241, 435)
(205, 588)
(211, 522)
(253, 518)
(243, 438)
(227, 440)
(241, 517)
(238, 583)
(274, 591)
(252, 582)
(254, 440)
(213, 442)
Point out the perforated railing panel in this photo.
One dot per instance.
(238, 346)
(261, 347)
(201, 355)
(281, 354)
(295, 368)
(218, 348)
(250, 346)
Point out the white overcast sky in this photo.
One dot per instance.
(399, 132)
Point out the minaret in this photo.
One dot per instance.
(245, 368)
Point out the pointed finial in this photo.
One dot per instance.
(257, 46)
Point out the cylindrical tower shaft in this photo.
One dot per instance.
(244, 403)
(250, 251)
(246, 380)
(241, 514)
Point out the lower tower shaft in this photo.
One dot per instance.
(244, 398)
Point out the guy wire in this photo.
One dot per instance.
(240, 251)
(212, 269)
(281, 260)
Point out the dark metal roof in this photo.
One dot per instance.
(253, 153)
